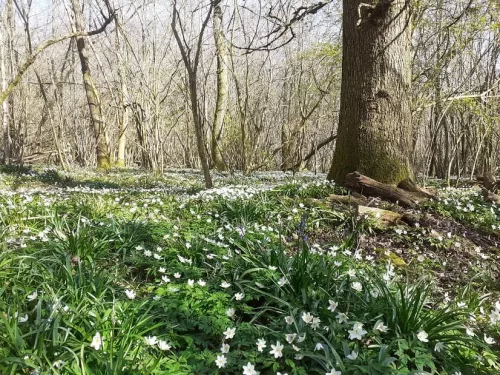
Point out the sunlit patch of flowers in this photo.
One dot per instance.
(226, 280)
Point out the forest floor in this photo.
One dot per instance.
(125, 272)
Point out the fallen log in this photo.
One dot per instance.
(491, 197)
(490, 182)
(384, 217)
(410, 185)
(369, 187)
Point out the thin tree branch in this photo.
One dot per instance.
(32, 58)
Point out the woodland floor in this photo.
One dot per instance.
(142, 236)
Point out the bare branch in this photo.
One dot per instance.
(32, 58)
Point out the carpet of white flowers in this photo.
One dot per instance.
(130, 273)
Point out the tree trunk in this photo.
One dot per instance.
(222, 87)
(191, 66)
(5, 105)
(6, 55)
(375, 131)
(123, 118)
(93, 100)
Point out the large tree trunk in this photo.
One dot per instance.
(93, 100)
(374, 135)
(222, 87)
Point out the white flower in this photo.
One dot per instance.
(249, 369)
(163, 345)
(225, 284)
(283, 281)
(32, 296)
(190, 282)
(177, 275)
(239, 296)
(495, 316)
(380, 326)
(357, 332)
(58, 364)
(277, 350)
(352, 356)
(162, 270)
(351, 273)
(469, 332)
(318, 346)
(202, 283)
(357, 286)
(225, 348)
(439, 346)
(130, 293)
(272, 268)
(333, 305)
(151, 340)
(488, 340)
(333, 372)
(290, 337)
(97, 341)
(457, 373)
(423, 336)
(23, 318)
(261, 344)
(342, 317)
(221, 361)
(289, 319)
(307, 317)
(229, 333)
(166, 279)
(230, 312)
(315, 323)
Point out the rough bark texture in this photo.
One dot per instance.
(93, 100)
(369, 187)
(412, 187)
(374, 135)
(222, 87)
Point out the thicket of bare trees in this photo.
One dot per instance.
(238, 85)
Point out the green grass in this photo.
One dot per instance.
(159, 270)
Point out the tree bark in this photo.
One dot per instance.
(375, 132)
(93, 100)
(222, 87)
(123, 118)
(191, 66)
(6, 55)
(369, 187)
